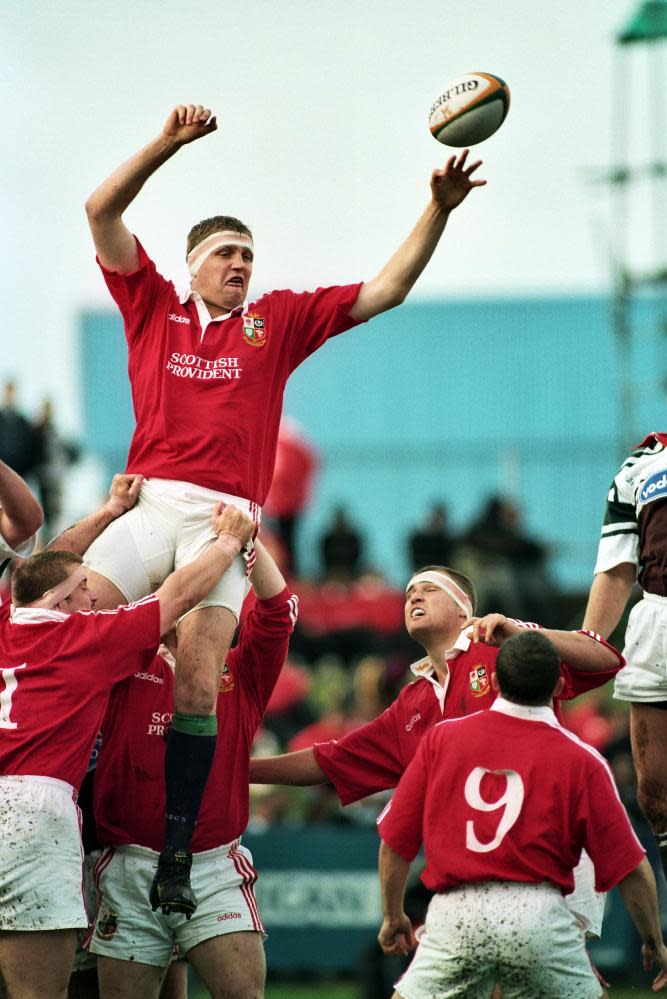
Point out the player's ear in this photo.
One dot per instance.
(558, 689)
(494, 682)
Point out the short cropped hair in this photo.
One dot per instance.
(218, 223)
(464, 581)
(33, 576)
(527, 668)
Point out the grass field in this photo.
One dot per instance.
(348, 990)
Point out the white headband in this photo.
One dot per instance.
(52, 597)
(201, 251)
(446, 583)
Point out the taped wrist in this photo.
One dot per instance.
(229, 544)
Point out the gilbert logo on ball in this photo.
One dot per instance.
(471, 109)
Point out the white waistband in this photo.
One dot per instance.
(197, 856)
(29, 779)
(655, 597)
(180, 486)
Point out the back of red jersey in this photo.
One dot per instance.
(509, 797)
(56, 672)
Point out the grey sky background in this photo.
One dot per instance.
(323, 147)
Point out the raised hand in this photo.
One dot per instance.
(187, 122)
(452, 184)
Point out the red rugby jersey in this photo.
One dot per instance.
(509, 795)
(373, 757)
(129, 795)
(207, 408)
(56, 671)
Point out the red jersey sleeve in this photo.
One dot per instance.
(578, 681)
(364, 761)
(136, 293)
(262, 648)
(129, 635)
(401, 823)
(609, 838)
(315, 316)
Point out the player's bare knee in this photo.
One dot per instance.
(196, 697)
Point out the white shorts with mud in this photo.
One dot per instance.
(128, 930)
(521, 936)
(41, 856)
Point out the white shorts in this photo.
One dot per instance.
(585, 902)
(645, 676)
(521, 936)
(40, 855)
(168, 528)
(128, 930)
(83, 959)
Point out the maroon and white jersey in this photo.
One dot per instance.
(635, 522)
(129, 794)
(207, 399)
(56, 671)
(373, 758)
(509, 795)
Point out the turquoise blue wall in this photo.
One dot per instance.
(447, 401)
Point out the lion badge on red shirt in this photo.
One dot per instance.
(479, 681)
(226, 680)
(254, 330)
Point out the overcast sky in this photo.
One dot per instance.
(323, 146)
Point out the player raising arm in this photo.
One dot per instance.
(504, 802)
(208, 370)
(59, 659)
(223, 939)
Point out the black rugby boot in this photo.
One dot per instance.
(171, 890)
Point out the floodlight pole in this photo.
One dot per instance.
(647, 26)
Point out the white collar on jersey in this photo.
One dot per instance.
(424, 667)
(35, 615)
(529, 712)
(188, 295)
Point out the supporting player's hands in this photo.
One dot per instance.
(396, 936)
(493, 629)
(188, 122)
(454, 182)
(228, 519)
(653, 953)
(123, 494)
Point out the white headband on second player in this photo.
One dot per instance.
(201, 251)
(446, 583)
(61, 590)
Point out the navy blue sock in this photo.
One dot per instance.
(188, 760)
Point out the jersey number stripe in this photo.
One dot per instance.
(10, 684)
(511, 801)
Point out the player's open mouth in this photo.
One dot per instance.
(417, 612)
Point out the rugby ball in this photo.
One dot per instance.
(469, 110)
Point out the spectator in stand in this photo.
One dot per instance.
(341, 548)
(291, 486)
(432, 544)
(55, 455)
(18, 443)
(508, 566)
